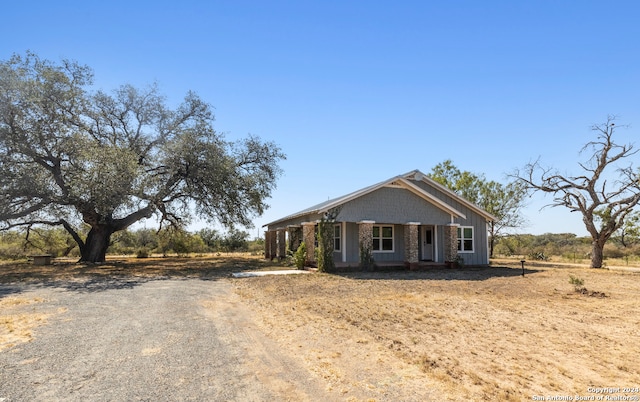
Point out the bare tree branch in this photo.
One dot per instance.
(592, 194)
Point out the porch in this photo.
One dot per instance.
(411, 245)
(391, 265)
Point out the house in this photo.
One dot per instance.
(402, 221)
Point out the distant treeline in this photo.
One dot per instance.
(16, 244)
(565, 245)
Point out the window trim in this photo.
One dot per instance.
(338, 238)
(393, 240)
(461, 239)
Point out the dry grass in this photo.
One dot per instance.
(20, 316)
(17, 320)
(474, 334)
(468, 334)
(206, 267)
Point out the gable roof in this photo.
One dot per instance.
(421, 176)
(400, 181)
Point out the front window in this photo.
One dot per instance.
(465, 239)
(336, 238)
(383, 238)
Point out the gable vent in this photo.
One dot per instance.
(394, 184)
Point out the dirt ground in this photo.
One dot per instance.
(469, 334)
(472, 334)
(20, 315)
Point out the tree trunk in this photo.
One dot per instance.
(491, 244)
(597, 254)
(95, 247)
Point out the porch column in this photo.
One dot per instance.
(411, 244)
(365, 241)
(451, 242)
(267, 244)
(281, 244)
(273, 244)
(295, 237)
(309, 238)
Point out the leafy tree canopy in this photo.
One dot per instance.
(79, 158)
(503, 201)
(629, 233)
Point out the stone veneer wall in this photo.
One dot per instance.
(267, 244)
(281, 244)
(295, 237)
(309, 238)
(365, 242)
(451, 242)
(411, 245)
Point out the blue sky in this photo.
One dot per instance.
(356, 92)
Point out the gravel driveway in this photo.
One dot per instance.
(172, 339)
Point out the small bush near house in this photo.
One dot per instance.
(300, 256)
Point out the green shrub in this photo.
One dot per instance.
(325, 243)
(142, 253)
(578, 284)
(11, 252)
(300, 256)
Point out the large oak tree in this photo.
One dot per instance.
(605, 192)
(79, 158)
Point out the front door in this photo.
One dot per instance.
(427, 243)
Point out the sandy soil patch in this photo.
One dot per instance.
(19, 316)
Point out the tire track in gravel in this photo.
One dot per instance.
(160, 340)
